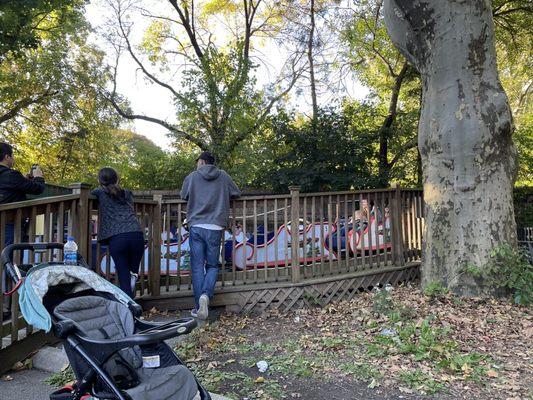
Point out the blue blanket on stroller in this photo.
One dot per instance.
(44, 276)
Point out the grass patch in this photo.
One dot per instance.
(297, 365)
(390, 338)
(472, 366)
(361, 371)
(421, 382)
(425, 342)
(422, 340)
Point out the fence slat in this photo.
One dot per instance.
(323, 238)
(61, 230)
(265, 238)
(313, 236)
(244, 245)
(181, 237)
(362, 238)
(338, 243)
(167, 256)
(354, 235)
(330, 236)
(3, 216)
(276, 244)
(377, 212)
(156, 230)
(304, 241)
(14, 296)
(295, 234)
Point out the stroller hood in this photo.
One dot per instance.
(41, 278)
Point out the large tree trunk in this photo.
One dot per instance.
(468, 158)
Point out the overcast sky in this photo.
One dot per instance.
(152, 100)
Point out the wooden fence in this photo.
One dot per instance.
(330, 227)
(306, 237)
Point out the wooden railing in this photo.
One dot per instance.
(53, 219)
(336, 233)
(388, 232)
(51, 190)
(42, 220)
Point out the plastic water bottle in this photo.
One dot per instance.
(70, 251)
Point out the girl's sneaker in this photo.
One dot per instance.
(134, 278)
(194, 313)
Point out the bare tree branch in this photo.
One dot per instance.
(188, 28)
(125, 35)
(124, 114)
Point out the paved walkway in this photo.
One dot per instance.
(26, 385)
(29, 385)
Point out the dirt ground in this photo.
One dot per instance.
(389, 344)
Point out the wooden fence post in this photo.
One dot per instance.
(396, 219)
(295, 234)
(80, 221)
(155, 270)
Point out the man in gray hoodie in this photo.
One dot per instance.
(208, 191)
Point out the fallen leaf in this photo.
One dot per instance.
(492, 374)
(373, 384)
(18, 366)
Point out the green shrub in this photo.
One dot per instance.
(509, 268)
(435, 289)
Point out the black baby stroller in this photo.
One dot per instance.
(113, 353)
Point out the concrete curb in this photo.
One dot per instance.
(50, 359)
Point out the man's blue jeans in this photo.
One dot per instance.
(205, 253)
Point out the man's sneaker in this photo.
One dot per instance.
(194, 313)
(203, 310)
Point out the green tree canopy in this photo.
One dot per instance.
(25, 23)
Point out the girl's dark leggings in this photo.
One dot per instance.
(127, 250)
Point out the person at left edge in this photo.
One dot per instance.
(13, 188)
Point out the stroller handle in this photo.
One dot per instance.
(6, 258)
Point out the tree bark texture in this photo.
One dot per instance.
(468, 157)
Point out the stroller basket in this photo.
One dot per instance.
(113, 353)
